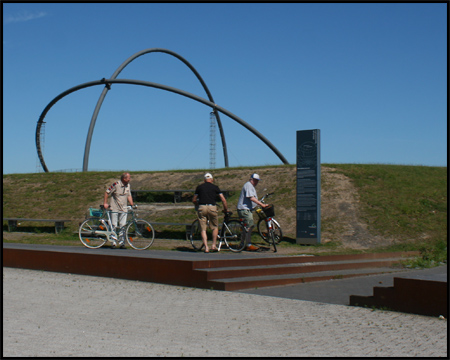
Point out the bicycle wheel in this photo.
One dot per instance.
(273, 239)
(262, 230)
(87, 233)
(140, 234)
(234, 235)
(195, 236)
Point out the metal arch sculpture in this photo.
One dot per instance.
(108, 82)
(114, 76)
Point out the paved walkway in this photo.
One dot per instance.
(49, 314)
(338, 291)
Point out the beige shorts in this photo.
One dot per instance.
(205, 213)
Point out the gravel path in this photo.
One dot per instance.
(49, 314)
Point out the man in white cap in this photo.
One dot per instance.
(248, 199)
(205, 197)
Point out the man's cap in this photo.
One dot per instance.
(208, 176)
(255, 176)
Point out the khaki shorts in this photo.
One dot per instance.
(205, 213)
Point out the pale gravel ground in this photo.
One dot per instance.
(49, 314)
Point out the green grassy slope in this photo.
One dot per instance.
(405, 203)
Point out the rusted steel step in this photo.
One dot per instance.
(277, 259)
(423, 295)
(279, 280)
(296, 268)
(177, 268)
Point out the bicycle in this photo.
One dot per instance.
(266, 214)
(231, 232)
(263, 228)
(95, 231)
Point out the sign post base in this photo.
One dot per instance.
(307, 241)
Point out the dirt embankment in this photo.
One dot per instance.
(340, 206)
(342, 215)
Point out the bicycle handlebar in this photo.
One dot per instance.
(266, 196)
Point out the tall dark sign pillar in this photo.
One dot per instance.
(308, 187)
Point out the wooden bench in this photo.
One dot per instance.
(176, 193)
(59, 223)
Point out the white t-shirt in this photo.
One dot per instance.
(244, 202)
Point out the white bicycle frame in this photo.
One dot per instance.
(109, 226)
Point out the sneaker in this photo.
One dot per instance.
(121, 245)
(113, 245)
(251, 248)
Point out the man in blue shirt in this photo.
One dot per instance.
(248, 199)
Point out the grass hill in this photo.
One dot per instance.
(364, 207)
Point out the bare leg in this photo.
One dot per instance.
(205, 240)
(215, 233)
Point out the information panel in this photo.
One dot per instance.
(308, 187)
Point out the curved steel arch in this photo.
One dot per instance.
(114, 76)
(149, 84)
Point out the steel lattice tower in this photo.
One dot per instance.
(212, 140)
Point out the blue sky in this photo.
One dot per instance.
(371, 77)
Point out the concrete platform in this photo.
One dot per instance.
(328, 279)
(220, 271)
